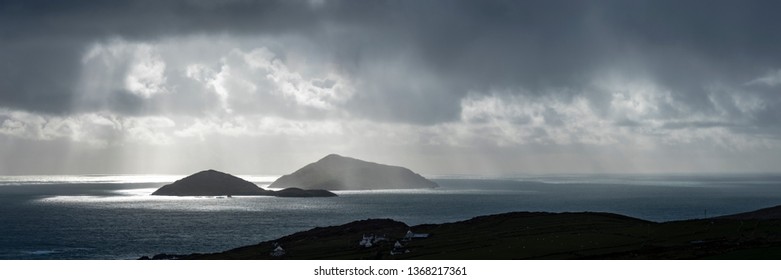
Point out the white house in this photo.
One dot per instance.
(411, 235)
(398, 249)
(369, 240)
(278, 251)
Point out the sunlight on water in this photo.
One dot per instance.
(92, 199)
(64, 214)
(392, 191)
(135, 192)
(441, 191)
(142, 199)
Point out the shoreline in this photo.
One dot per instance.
(526, 235)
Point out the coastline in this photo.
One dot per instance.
(525, 235)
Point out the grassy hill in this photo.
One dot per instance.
(525, 235)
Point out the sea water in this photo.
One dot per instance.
(115, 217)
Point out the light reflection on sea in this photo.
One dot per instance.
(103, 219)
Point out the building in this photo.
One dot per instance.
(411, 235)
(398, 249)
(278, 251)
(369, 240)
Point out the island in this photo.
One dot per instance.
(216, 183)
(335, 172)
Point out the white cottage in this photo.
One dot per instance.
(411, 235)
(278, 251)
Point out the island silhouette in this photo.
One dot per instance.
(335, 172)
(216, 183)
(332, 172)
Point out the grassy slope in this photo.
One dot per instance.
(534, 236)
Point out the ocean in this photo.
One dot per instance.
(114, 217)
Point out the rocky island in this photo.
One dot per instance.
(335, 172)
(216, 183)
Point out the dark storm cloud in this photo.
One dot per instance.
(43, 41)
(142, 19)
(415, 60)
(38, 76)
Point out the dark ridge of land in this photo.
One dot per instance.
(335, 172)
(527, 235)
(216, 183)
(771, 213)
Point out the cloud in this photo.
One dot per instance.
(192, 74)
(98, 130)
(518, 119)
(320, 93)
(772, 79)
(133, 68)
(388, 57)
(636, 114)
(146, 76)
(537, 77)
(110, 129)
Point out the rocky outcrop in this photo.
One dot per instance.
(296, 192)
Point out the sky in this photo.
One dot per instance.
(440, 87)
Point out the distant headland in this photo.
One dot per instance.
(216, 183)
(335, 172)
